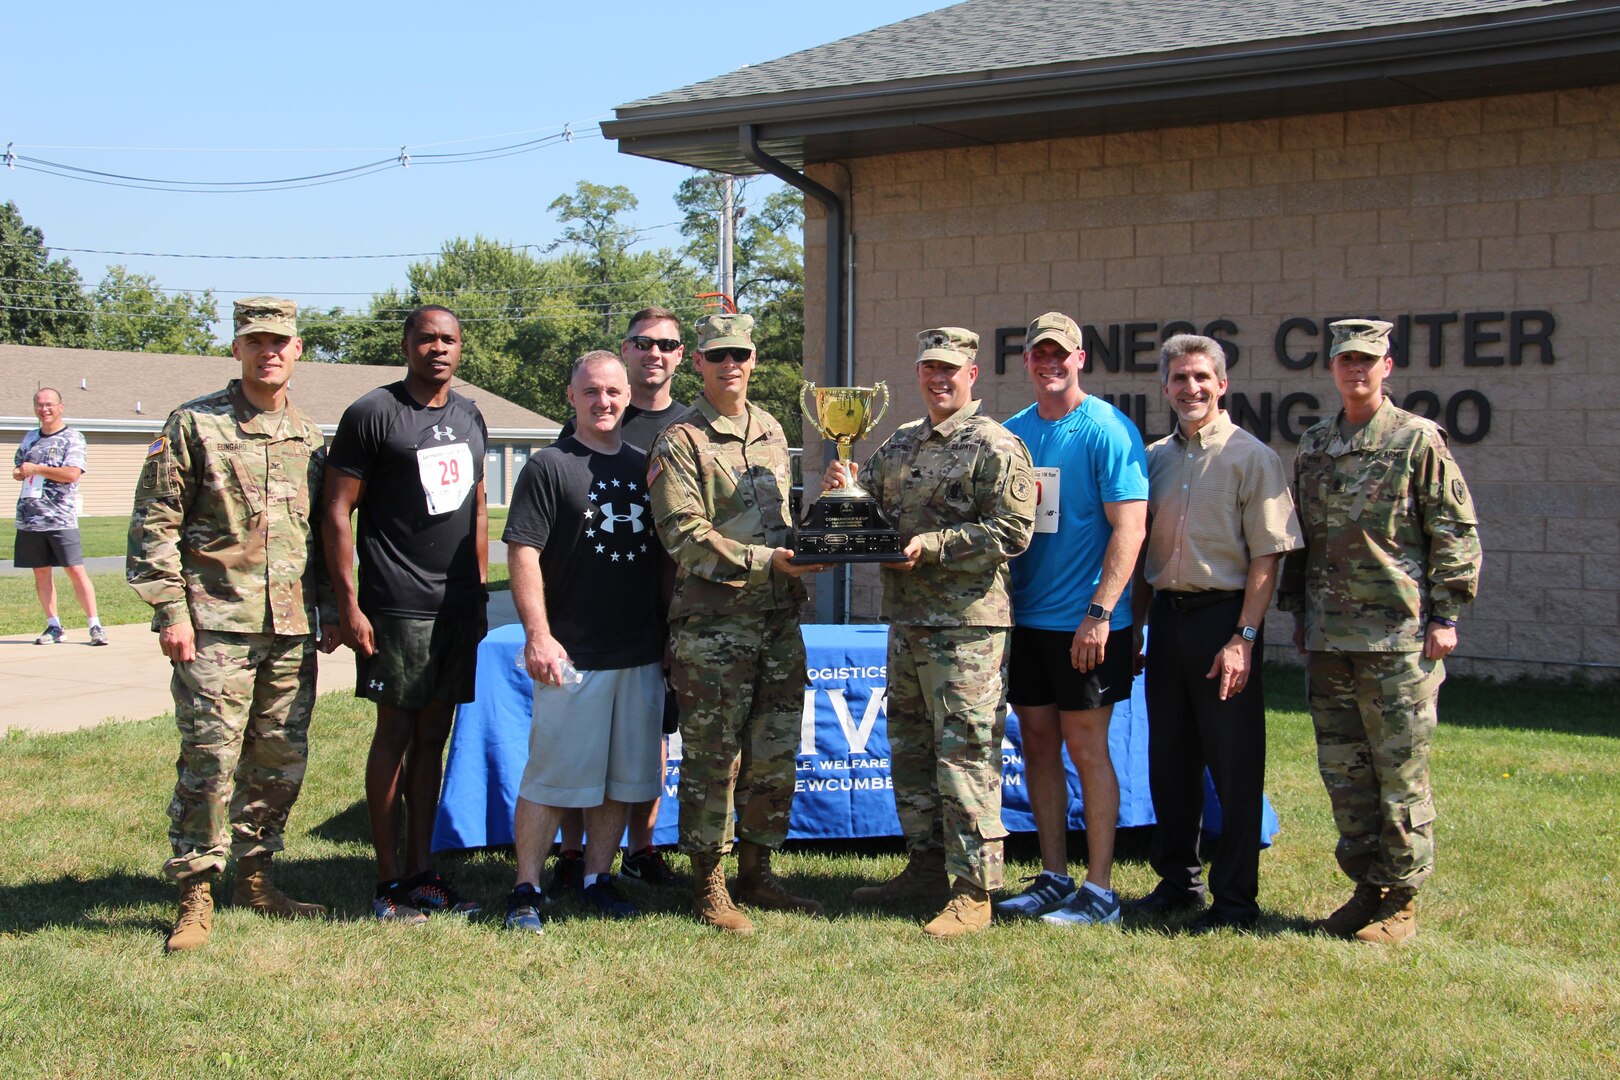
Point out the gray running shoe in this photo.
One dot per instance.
(51, 635)
(98, 636)
(1046, 892)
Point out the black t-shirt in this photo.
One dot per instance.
(638, 427)
(589, 515)
(418, 513)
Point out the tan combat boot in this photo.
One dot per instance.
(1395, 921)
(196, 918)
(711, 903)
(924, 878)
(254, 890)
(1354, 913)
(758, 887)
(967, 913)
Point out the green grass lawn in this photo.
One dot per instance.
(1513, 973)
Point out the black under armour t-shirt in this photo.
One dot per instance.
(590, 516)
(640, 428)
(418, 513)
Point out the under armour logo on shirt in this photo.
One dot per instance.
(612, 518)
(376, 684)
(443, 433)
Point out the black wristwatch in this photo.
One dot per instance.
(1098, 612)
(1251, 634)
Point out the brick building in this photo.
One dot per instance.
(1248, 169)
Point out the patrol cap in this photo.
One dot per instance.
(949, 345)
(266, 315)
(1368, 336)
(1056, 326)
(725, 332)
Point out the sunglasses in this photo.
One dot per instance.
(720, 356)
(645, 343)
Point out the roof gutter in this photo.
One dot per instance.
(830, 603)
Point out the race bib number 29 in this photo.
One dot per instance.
(447, 476)
(1047, 486)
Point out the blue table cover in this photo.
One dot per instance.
(842, 786)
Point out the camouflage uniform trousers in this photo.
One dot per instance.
(945, 723)
(243, 708)
(740, 680)
(1375, 718)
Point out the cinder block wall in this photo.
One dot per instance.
(1487, 207)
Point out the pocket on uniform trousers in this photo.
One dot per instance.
(1420, 813)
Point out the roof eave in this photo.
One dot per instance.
(1529, 50)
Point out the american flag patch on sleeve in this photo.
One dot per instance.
(157, 446)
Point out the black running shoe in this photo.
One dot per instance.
(431, 892)
(567, 874)
(648, 866)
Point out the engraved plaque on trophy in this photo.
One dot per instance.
(845, 524)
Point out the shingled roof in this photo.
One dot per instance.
(965, 70)
(137, 391)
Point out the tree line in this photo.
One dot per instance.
(525, 316)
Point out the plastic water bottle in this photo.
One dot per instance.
(571, 677)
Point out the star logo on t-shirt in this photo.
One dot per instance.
(593, 496)
(600, 484)
(631, 485)
(590, 534)
(615, 483)
(600, 549)
(615, 556)
(589, 514)
(629, 555)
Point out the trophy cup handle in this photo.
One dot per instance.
(880, 387)
(807, 390)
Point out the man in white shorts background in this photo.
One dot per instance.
(584, 566)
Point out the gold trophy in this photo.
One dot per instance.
(845, 524)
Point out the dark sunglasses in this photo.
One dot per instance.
(645, 343)
(720, 356)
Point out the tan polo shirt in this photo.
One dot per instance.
(1218, 500)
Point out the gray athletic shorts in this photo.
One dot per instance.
(49, 547)
(599, 740)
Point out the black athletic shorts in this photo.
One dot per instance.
(1040, 671)
(420, 661)
(49, 547)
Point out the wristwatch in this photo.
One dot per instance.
(1098, 612)
(1249, 633)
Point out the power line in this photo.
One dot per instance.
(299, 258)
(403, 159)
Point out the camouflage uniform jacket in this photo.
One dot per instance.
(1390, 534)
(719, 489)
(967, 488)
(226, 520)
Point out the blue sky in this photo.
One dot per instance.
(209, 92)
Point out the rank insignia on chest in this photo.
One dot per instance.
(158, 446)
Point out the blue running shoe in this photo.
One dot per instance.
(606, 899)
(523, 910)
(1046, 892)
(1085, 909)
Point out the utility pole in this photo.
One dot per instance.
(728, 233)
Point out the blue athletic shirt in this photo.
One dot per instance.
(1099, 457)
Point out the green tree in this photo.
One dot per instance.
(42, 301)
(768, 276)
(133, 315)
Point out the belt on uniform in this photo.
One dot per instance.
(1192, 601)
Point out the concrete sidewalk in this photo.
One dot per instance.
(115, 563)
(74, 685)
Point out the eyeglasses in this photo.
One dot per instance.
(720, 356)
(645, 343)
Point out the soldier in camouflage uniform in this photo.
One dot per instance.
(960, 488)
(223, 544)
(1391, 557)
(719, 479)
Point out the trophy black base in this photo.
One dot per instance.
(846, 531)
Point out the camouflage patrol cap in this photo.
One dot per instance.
(1056, 326)
(1368, 336)
(949, 345)
(266, 315)
(725, 332)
